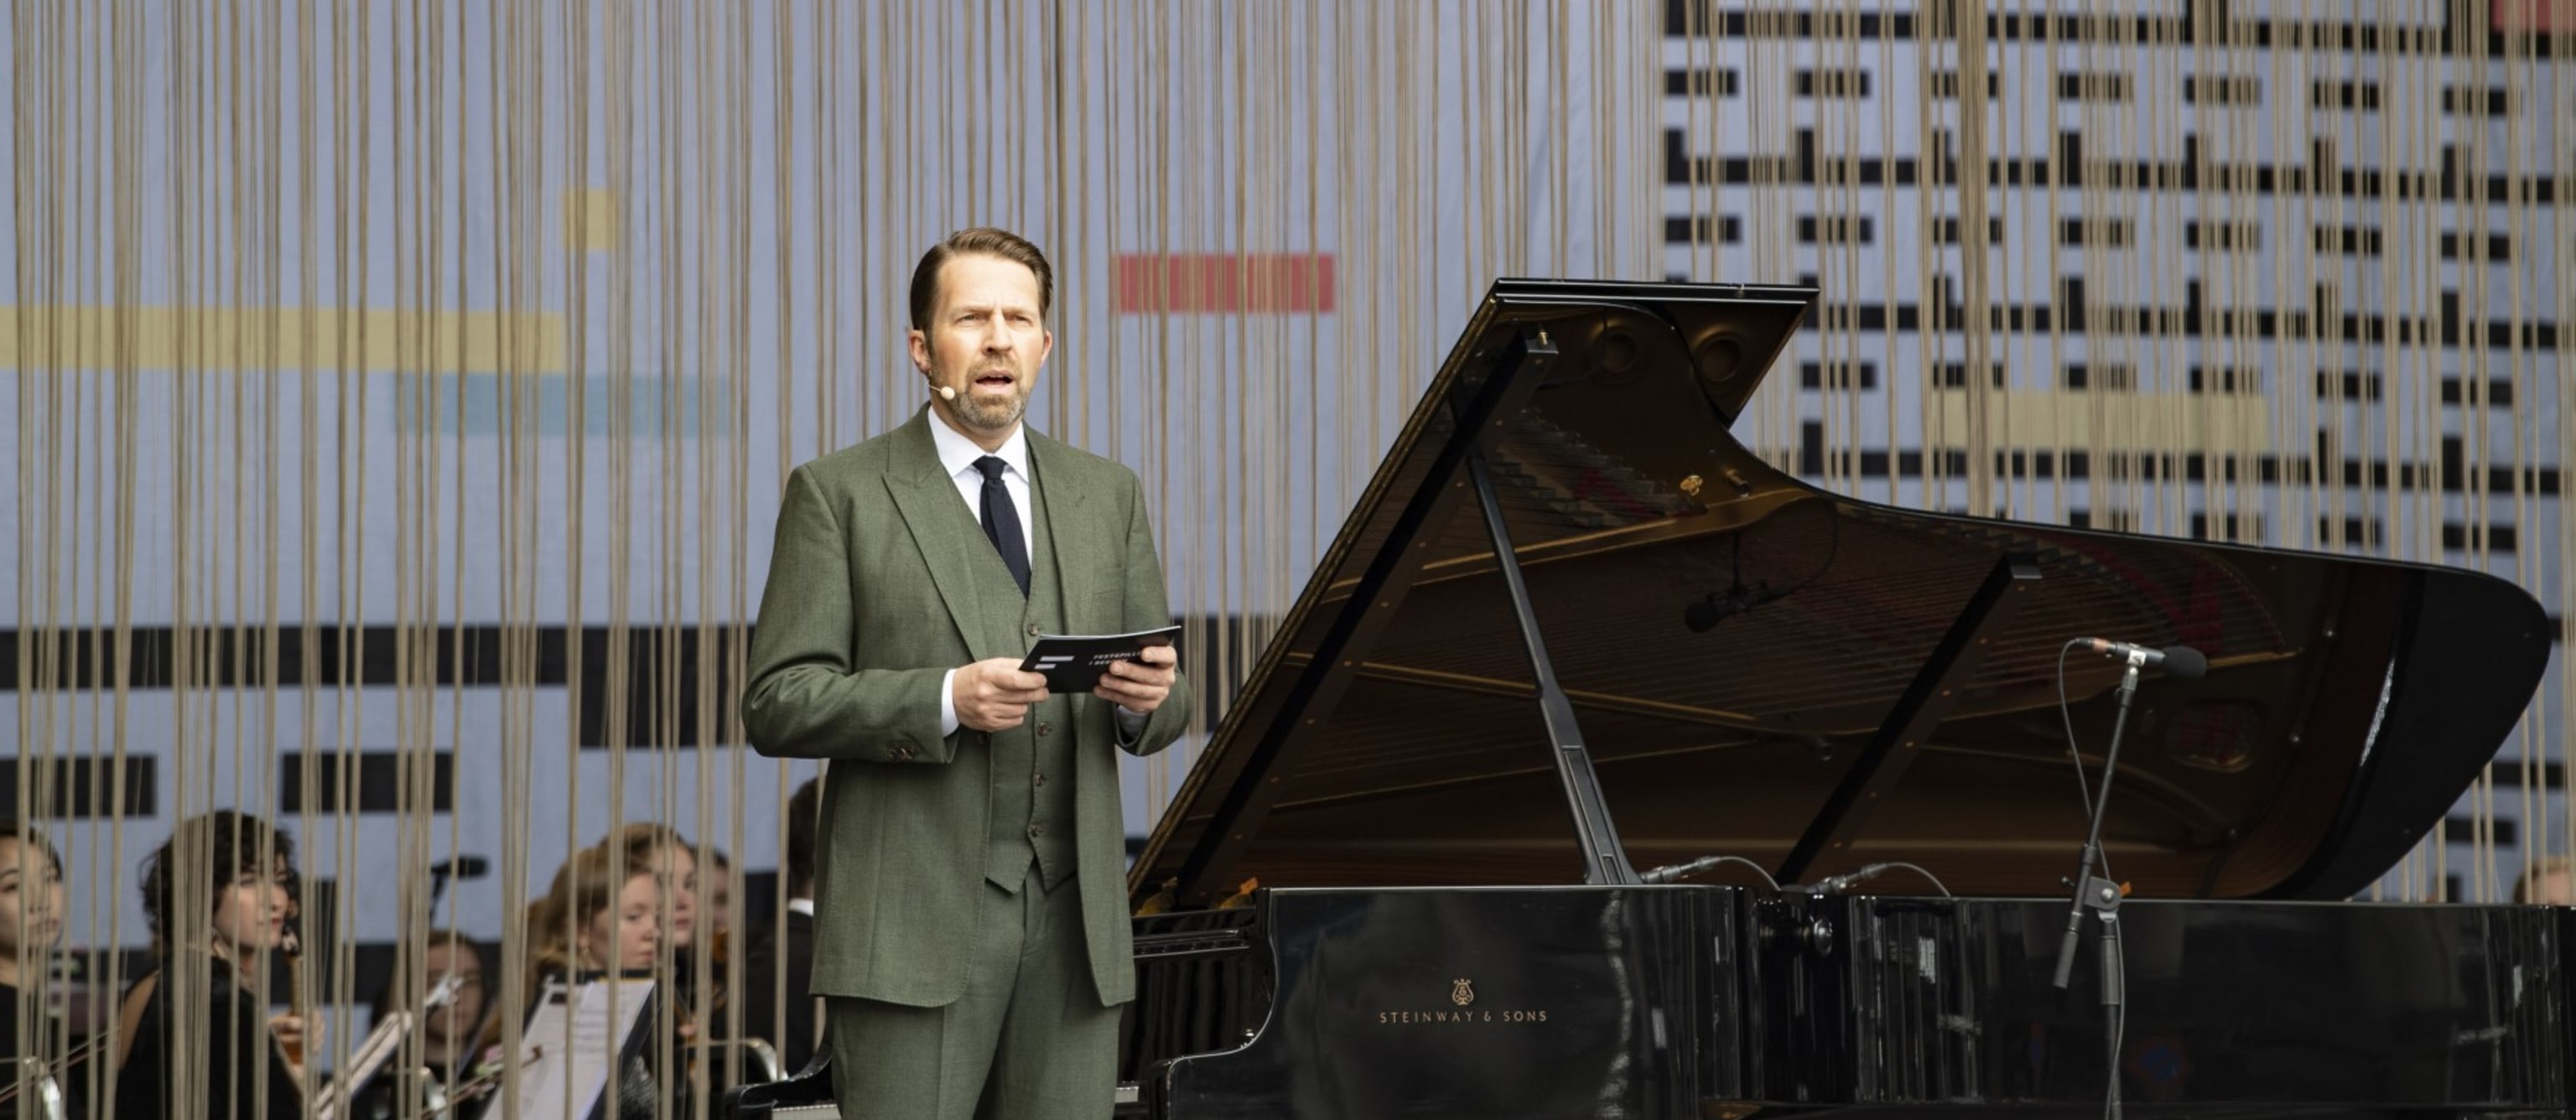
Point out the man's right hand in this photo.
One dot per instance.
(994, 695)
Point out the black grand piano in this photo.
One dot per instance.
(1575, 629)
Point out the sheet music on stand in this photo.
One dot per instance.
(381, 1045)
(573, 1042)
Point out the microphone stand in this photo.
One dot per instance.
(438, 877)
(2100, 895)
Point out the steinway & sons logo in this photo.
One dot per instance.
(1462, 1009)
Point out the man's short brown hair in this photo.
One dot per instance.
(983, 241)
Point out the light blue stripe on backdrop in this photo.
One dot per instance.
(653, 406)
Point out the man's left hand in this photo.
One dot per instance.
(1141, 685)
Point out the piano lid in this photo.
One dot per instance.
(1738, 648)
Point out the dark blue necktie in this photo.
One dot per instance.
(1002, 521)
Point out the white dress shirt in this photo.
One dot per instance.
(957, 456)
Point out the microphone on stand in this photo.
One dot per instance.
(2092, 892)
(459, 867)
(2176, 661)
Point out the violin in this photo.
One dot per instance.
(292, 945)
(381, 1046)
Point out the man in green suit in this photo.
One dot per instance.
(971, 938)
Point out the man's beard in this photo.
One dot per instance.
(991, 415)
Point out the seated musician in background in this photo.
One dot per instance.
(716, 874)
(603, 916)
(219, 895)
(717, 880)
(709, 985)
(448, 1032)
(2549, 881)
(787, 952)
(31, 919)
(662, 852)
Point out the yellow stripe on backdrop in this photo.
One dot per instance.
(279, 339)
(634, 262)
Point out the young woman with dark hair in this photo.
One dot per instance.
(31, 910)
(220, 895)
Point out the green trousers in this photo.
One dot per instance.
(1028, 1041)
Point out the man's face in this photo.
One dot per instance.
(986, 340)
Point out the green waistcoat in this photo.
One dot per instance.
(1032, 775)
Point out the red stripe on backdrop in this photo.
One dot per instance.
(2533, 15)
(1224, 283)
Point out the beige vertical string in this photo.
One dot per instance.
(38, 380)
(737, 612)
(2147, 298)
(1252, 230)
(2212, 205)
(2469, 242)
(2091, 224)
(1838, 268)
(1854, 387)
(722, 655)
(2420, 306)
(2546, 101)
(2394, 222)
(2532, 811)
(38, 377)
(1975, 294)
(116, 583)
(1932, 216)
(2559, 96)
(2351, 390)
(2301, 369)
(2478, 400)
(677, 54)
(828, 185)
(187, 988)
(2023, 86)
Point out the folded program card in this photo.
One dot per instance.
(1074, 662)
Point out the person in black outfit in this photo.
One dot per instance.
(788, 949)
(447, 1033)
(31, 909)
(219, 895)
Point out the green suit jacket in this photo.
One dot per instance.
(869, 604)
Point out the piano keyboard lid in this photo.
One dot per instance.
(1764, 669)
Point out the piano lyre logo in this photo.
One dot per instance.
(1462, 997)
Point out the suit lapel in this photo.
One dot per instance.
(1071, 528)
(928, 500)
